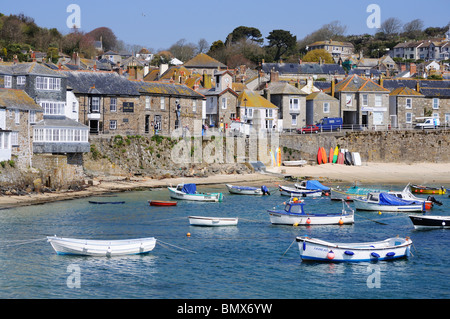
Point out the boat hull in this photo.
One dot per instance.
(279, 218)
(102, 248)
(212, 197)
(212, 221)
(290, 191)
(244, 190)
(319, 250)
(424, 222)
(362, 204)
(418, 189)
(294, 163)
(161, 203)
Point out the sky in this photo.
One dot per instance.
(159, 24)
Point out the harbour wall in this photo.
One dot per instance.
(409, 146)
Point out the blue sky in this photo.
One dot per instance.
(159, 24)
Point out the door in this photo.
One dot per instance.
(93, 126)
(158, 126)
(147, 124)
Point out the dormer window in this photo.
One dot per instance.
(48, 84)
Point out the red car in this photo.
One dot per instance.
(308, 129)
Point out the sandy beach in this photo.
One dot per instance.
(436, 174)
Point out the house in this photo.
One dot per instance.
(405, 105)
(431, 49)
(337, 49)
(320, 105)
(203, 63)
(221, 99)
(361, 101)
(291, 104)
(18, 113)
(108, 102)
(254, 109)
(167, 106)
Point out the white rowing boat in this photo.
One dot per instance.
(189, 192)
(212, 221)
(101, 248)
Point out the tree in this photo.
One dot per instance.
(107, 36)
(319, 55)
(391, 26)
(202, 46)
(182, 50)
(413, 29)
(333, 30)
(283, 41)
(246, 33)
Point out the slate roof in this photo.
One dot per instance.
(303, 68)
(284, 88)
(254, 100)
(105, 83)
(356, 83)
(320, 96)
(27, 68)
(163, 88)
(59, 121)
(434, 92)
(405, 91)
(204, 61)
(11, 98)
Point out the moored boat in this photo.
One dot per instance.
(189, 192)
(387, 202)
(101, 248)
(420, 189)
(294, 163)
(423, 222)
(320, 250)
(212, 221)
(312, 185)
(407, 195)
(105, 203)
(296, 192)
(352, 192)
(161, 203)
(294, 214)
(247, 190)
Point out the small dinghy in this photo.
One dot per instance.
(421, 189)
(296, 192)
(102, 248)
(189, 192)
(320, 250)
(423, 222)
(247, 190)
(161, 203)
(212, 221)
(104, 203)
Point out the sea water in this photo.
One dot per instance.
(254, 259)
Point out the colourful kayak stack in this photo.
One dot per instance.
(334, 156)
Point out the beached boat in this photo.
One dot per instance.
(352, 192)
(104, 203)
(294, 214)
(212, 221)
(101, 248)
(312, 185)
(294, 163)
(296, 192)
(320, 250)
(247, 190)
(387, 202)
(420, 189)
(189, 192)
(422, 222)
(161, 203)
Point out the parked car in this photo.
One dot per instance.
(330, 123)
(308, 129)
(427, 122)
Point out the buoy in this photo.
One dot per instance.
(295, 199)
(379, 213)
(188, 234)
(308, 221)
(326, 194)
(348, 197)
(341, 222)
(296, 224)
(330, 255)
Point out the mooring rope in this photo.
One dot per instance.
(158, 241)
(22, 242)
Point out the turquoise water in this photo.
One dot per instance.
(254, 260)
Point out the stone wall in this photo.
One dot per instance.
(409, 146)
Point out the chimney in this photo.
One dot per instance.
(412, 68)
(381, 81)
(402, 67)
(267, 94)
(163, 68)
(15, 60)
(274, 76)
(418, 86)
(332, 88)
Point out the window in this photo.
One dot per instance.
(17, 116)
(326, 107)
(249, 113)
(32, 116)
(8, 81)
(14, 138)
(435, 103)
(113, 104)
(408, 117)
(348, 100)
(194, 106)
(294, 119)
(163, 106)
(294, 105)
(74, 107)
(365, 100)
(147, 102)
(53, 108)
(408, 103)
(224, 103)
(269, 113)
(113, 124)
(378, 100)
(21, 80)
(95, 105)
(48, 84)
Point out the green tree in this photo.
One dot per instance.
(246, 33)
(282, 41)
(319, 55)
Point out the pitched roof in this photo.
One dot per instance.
(18, 99)
(106, 83)
(59, 121)
(164, 88)
(249, 98)
(356, 83)
(405, 91)
(26, 68)
(204, 61)
(284, 88)
(303, 68)
(320, 96)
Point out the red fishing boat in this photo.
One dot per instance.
(161, 203)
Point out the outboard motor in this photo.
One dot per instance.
(265, 190)
(434, 200)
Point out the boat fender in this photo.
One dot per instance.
(330, 255)
(341, 222)
(375, 255)
(390, 254)
(308, 221)
(349, 253)
(264, 190)
(304, 245)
